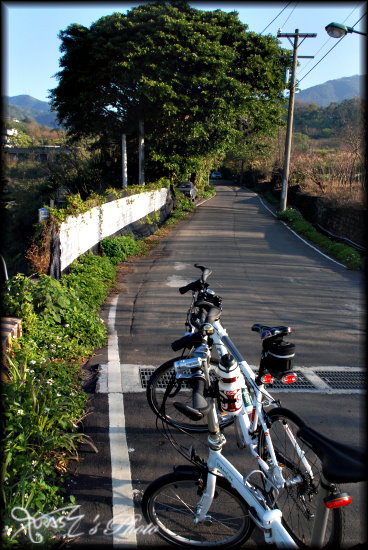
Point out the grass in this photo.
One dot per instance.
(341, 252)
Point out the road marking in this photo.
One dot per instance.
(175, 281)
(299, 237)
(123, 518)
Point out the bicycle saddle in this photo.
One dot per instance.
(268, 332)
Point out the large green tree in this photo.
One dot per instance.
(190, 75)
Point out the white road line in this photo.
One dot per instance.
(123, 520)
(299, 237)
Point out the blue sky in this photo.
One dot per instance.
(31, 45)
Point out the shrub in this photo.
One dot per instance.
(43, 400)
(117, 249)
(345, 254)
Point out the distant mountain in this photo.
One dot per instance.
(334, 91)
(23, 106)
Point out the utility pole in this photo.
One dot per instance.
(290, 118)
(141, 153)
(124, 161)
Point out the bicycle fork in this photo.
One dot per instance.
(269, 521)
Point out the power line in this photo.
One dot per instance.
(330, 50)
(275, 17)
(290, 14)
(329, 38)
(299, 81)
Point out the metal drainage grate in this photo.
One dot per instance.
(344, 380)
(164, 380)
(301, 383)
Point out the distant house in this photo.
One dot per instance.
(6, 134)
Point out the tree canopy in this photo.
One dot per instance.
(318, 122)
(198, 79)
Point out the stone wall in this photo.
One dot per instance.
(343, 222)
(349, 223)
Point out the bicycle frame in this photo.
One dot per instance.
(268, 519)
(224, 344)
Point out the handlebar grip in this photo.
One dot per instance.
(194, 285)
(199, 401)
(200, 405)
(206, 271)
(213, 314)
(187, 341)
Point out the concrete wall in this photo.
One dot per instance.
(78, 234)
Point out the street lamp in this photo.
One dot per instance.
(338, 30)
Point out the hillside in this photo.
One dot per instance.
(333, 91)
(23, 106)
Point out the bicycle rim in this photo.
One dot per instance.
(163, 389)
(170, 503)
(298, 501)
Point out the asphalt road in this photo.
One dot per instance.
(264, 274)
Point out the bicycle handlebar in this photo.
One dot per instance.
(198, 399)
(194, 285)
(200, 283)
(200, 407)
(187, 341)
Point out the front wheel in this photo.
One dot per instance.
(298, 499)
(163, 389)
(170, 502)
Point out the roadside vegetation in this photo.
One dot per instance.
(43, 399)
(341, 252)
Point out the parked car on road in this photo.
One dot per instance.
(215, 175)
(188, 189)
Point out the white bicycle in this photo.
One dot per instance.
(292, 494)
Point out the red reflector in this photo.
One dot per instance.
(289, 378)
(338, 501)
(267, 379)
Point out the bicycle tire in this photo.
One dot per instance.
(298, 502)
(169, 504)
(163, 389)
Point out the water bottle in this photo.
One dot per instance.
(246, 399)
(230, 385)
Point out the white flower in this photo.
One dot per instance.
(34, 462)
(33, 362)
(50, 382)
(46, 409)
(67, 325)
(58, 395)
(7, 531)
(31, 371)
(20, 411)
